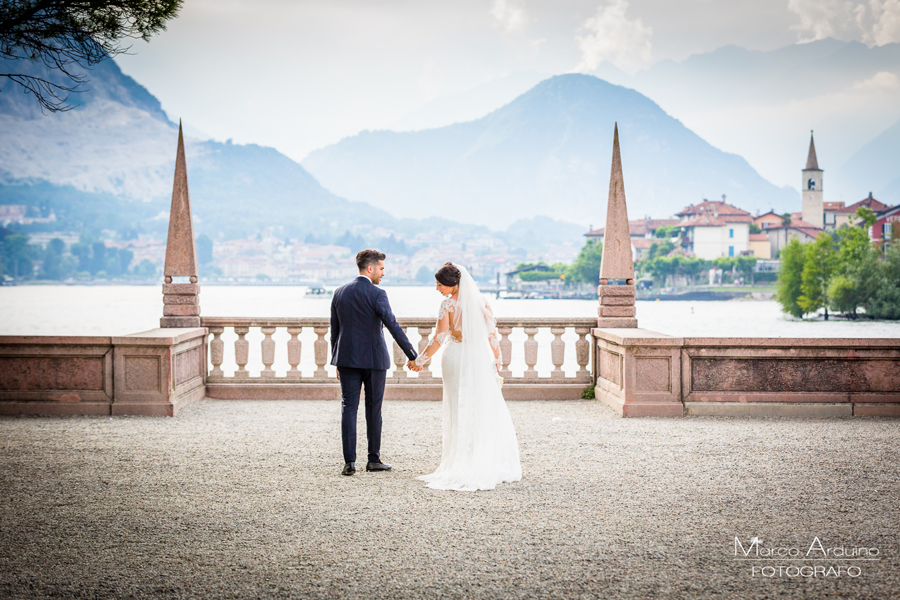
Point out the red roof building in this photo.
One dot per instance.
(715, 228)
(780, 235)
(886, 229)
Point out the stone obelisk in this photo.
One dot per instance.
(181, 301)
(616, 288)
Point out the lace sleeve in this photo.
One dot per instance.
(440, 337)
(494, 339)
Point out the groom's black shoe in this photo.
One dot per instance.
(349, 469)
(377, 466)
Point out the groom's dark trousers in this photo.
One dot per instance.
(359, 312)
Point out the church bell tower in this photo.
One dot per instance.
(813, 210)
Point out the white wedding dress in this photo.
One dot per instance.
(479, 447)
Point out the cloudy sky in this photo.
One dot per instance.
(298, 75)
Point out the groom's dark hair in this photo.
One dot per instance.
(368, 257)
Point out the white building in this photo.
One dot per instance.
(714, 228)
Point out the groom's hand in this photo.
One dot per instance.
(412, 366)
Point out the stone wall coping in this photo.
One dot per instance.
(741, 342)
(635, 336)
(404, 321)
(168, 336)
(55, 340)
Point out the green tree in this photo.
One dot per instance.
(117, 261)
(57, 245)
(17, 256)
(857, 265)
(867, 215)
(145, 269)
(660, 249)
(82, 252)
(71, 36)
(425, 275)
(885, 299)
(542, 275)
(98, 258)
(842, 295)
(204, 249)
(754, 228)
(725, 263)
(790, 277)
(666, 231)
(691, 267)
(819, 263)
(52, 267)
(661, 267)
(586, 268)
(744, 265)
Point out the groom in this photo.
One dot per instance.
(359, 311)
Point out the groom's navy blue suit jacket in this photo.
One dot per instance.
(359, 311)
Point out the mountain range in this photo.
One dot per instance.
(758, 104)
(108, 164)
(537, 164)
(547, 152)
(875, 168)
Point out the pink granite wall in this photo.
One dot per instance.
(150, 373)
(863, 375)
(640, 373)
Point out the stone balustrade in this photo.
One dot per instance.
(560, 347)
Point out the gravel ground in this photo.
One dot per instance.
(244, 500)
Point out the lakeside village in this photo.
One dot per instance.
(709, 250)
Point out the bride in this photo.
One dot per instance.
(479, 442)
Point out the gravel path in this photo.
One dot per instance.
(244, 500)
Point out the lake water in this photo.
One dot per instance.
(119, 310)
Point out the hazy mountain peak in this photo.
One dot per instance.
(106, 82)
(545, 153)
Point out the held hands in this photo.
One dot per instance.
(412, 366)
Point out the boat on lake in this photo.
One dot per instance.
(318, 291)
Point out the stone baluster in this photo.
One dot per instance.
(582, 351)
(241, 353)
(293, 350)
(267, 347)
(217, 351)
(557, 352)
(321, 350)
(400, 360)
(425, 333)
(505, 351)
(531, 352)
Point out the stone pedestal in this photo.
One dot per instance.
(181, 305)
(616, 305)
(638, 372)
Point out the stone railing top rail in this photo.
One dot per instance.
(56, 340)
(585, 322)
(153, 337)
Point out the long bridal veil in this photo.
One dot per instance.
(480, 448)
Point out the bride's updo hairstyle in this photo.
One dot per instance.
(448, 275)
